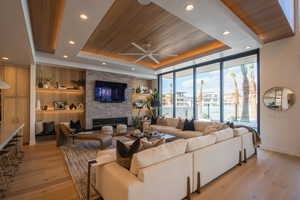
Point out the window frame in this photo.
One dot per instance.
(221, 63)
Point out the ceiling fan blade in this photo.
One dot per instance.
(141, 58)
(131, 54)
(162, 54)
(138, 47)
(154, 59)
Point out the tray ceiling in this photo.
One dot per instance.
(265, 17)
(128, 21)
(152, 27)
(45, 16)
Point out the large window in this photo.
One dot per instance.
(223, 90)
(208, 92)
(166, 83)
(184, 94)
(240, 91)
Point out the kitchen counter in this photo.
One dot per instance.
(11, 130)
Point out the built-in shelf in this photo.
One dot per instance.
(62, 91)
(60, 111)
(141, 95)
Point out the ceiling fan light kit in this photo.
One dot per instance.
(146, 53)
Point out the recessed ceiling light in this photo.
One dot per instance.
(65, 56)
(71, 42)
(189, 7)
(83, 16)
(104, 63)
(133, 69)
(4, 58)
(226, 32)
(247, 47)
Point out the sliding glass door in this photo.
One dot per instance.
(208, 92)
(184, 94)
(240, 91)
(223, 90)
(166, 83)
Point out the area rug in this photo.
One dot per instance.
(77, 157)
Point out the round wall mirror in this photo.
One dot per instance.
(279, 98)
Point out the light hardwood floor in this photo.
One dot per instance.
(42, 176)
(270, 176)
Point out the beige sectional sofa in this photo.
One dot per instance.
(171, 128)
(162, 172)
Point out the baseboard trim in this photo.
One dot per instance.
(279, 150)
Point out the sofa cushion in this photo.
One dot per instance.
(224, 134)
(106, 156)
(157, 154)
(201, 125)
(214, 128)
(187, 134)
(200, 142)
(162, 122)
(180, 124)
(172, 122)
(240, 131)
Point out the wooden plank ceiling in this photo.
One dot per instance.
(265, 17)
(45, 16)
(152, 27)
(128, 21)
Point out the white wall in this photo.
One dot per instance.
(280, 66)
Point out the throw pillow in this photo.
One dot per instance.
(180, 124)
(153, 120)
(75, 125)
(189, 125)
(48, 128)
(125, 153)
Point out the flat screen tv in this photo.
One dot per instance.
(110, 92)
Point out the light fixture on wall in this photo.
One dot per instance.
(4, 85)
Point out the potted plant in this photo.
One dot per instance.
(138, 90)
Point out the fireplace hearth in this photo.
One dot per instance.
(99, 123)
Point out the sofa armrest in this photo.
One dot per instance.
(114, 182)
(105, 157)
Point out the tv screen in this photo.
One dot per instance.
(110, 92)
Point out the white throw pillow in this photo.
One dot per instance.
(224, 134)
(157, 154)
(200, 142)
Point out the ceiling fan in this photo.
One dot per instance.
(146, 53)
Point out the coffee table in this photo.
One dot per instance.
(154, 136)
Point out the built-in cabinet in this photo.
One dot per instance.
(60, 85)
(15, 101)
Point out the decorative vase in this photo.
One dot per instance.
(38, 105)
